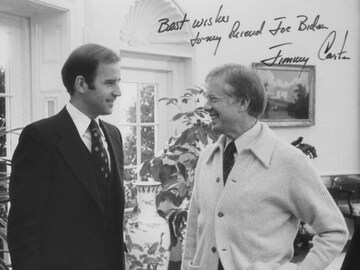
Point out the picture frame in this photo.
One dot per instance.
(290, 93)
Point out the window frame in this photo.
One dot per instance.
(138, 124)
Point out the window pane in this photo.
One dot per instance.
(2, 118)
(129, 137)
(134, 115)
(147, 103)
(130, 174)
(3, 126)
(127, 103)
(147, 142)
(2, 112)
(130, 188)
(2, 79)
(50, 108)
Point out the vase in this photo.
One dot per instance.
(147, 234)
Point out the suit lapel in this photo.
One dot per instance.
(72, 149)
(116, 151)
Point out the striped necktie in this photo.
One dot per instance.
(98, 150)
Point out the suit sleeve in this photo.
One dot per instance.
(29, 182)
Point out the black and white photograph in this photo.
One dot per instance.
(179, 134)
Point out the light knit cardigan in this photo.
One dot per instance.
(251, 223)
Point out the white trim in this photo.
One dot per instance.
(151, 53)
(54, 100)
(140, 26)
(63, 5)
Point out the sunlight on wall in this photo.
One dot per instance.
(4, 49)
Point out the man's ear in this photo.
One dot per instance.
(80, 84)
(243, 104)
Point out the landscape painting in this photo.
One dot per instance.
(290, 93)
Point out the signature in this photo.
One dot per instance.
(281, 59)
(326, 52)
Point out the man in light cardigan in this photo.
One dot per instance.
(250, 222)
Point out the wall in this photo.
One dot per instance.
(336, 131)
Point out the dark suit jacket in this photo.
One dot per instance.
(56, 219)
(352, 257)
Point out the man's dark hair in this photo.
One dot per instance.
(83, 61)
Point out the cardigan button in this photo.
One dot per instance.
(217, 179)
(220, 214)
(213, 249)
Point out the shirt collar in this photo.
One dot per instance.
(258, 140)
(80, 120)
(246, 138)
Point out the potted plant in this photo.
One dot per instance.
(175, 165)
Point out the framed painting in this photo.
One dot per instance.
(290, 91)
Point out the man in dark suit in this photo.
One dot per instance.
(66, 186)
(352, 258)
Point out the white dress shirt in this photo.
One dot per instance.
(82, 123)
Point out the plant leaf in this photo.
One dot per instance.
(145, 168)
(153, 248)
(177, 116)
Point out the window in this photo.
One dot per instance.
(137, 115)
(144, 122)
(3, 100)
(15, 97)
(138, 124)
(141, 119)
(15, 94)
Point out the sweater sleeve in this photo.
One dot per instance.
(192, 224)
(312, 203)
(190, 238)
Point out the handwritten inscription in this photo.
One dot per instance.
(281, 59)
(202, 22)
(166, 26)
(280, 28)
(315, 25)
(331, 48)
(197, 40)
(236, 33)
(220, 18)
(326, 50)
